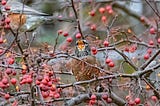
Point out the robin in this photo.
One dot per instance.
(23, 18)
(81, 67)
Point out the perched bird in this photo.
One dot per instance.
(83, 67)
(25, 18)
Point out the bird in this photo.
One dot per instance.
(24, 18)
(83, 66)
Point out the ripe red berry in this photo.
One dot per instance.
(92, 102)
(137, 100)
(95, 52)
(106, 43)
(131, 103)
(45, 94)
(1, 40)
(6, 96)
(7, 20)
(108, 61)
(65, 34)
(111, 64)
(93, 49)
(1, 51)
(110, 11)
(158, 40)
(93, 97)
(126, 49)
(101, 10)
(44, 82)
(152, 30)
(57, 95)
(105, 97)
(92, 13)
(29, 80)
(109, 100)
(60, 31)
(69, 39)
(78, 35)
(108, 7)
(103, 19)
(142, 19)
(7, 8)
(13, 81)
(93, 27)
(5, 81)
(154, 98)
(8, 71)
(146, 56)
(10, 61)
(3, 2)
(149, 51)
(14, 72)
(37, 82)
(151, 42)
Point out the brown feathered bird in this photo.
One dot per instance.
(82, 67)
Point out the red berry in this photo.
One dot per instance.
(146, 56)
(6, 96)
(65, 34)
(8, 71)
(5, 81)
(7, 7)
(50, 83)
(53, 87)
(131, 103)
(13, 81)
(57, 95)
(149, 51)
(111, 64)
(44, 82)
(93, 27)
(105, 97)
(95, 52)
(151, 42)
(14, 72)
(108, 61)
(29, 80)
(92, 102)
(101, 10)
(1, 40)
(137, 100)
(7, 20)
(1, 51)
(110, 11)
(45, 94)
(23, 72)
(93, 97)
(7, 26)
(10, 61)
(92, 13)
(69, 39)
(109, 100)
(152, 30)
(142, 19)
(37, 82)
(3, 2)
(108, 7)
(78, 35)
(60, 32)
(93, 49)
(103, 19)
(154, 98)
(158, 40)
(126, 49)
(106, 43)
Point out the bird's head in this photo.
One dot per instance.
(82, 48)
